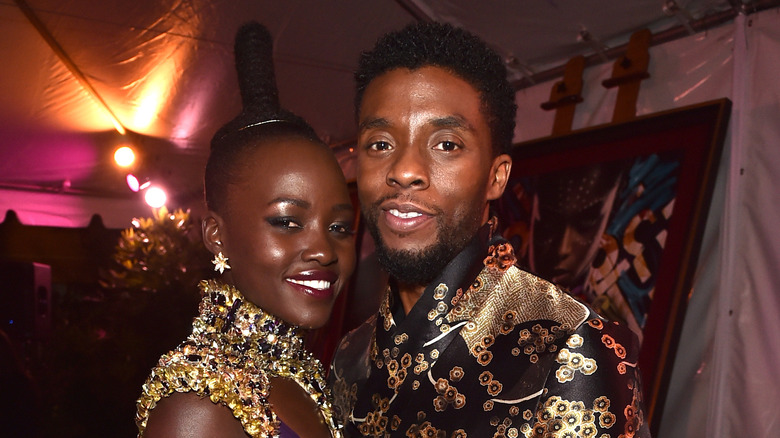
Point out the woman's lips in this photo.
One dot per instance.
(318, 284)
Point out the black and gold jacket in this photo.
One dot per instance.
(488, 351)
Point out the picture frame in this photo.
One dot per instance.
(615, 214)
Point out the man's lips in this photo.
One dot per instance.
(404, 214)
(319, 284)
(405, 217)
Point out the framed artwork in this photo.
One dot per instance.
(614, 214)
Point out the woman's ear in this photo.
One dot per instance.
(502, 166)
(213, 234)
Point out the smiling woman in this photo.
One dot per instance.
(281, 233)
(287, 230)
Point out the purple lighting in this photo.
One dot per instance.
(135, 185)
(132, 182)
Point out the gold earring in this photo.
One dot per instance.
(220, 262)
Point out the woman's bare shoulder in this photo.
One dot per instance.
(297, 409)
(190, 415)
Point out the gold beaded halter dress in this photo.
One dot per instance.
(234, 349)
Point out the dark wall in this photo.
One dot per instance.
(63, 355)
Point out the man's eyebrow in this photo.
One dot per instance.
(294, 201)
(378, 122)
(454, 121)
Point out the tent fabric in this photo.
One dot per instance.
(723, 383)
(165, 70)
(724, 377)
(70, 211)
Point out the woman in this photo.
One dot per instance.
(280, 226)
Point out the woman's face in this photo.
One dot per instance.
(287, 231)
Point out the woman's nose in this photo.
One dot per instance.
(320, 248)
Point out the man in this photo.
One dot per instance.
(464, 343)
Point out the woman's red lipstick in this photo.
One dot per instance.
(318, 284)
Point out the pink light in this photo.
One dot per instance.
(133, 183)
(136, 185)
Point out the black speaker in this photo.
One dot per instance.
(25, 299)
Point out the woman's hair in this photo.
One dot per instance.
(261, 120)
(457, 51)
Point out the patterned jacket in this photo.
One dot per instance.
(488, 351)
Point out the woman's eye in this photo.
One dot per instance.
(284, 222)
(447, 146)
(344, 229)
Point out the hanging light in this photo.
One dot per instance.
(124, 156)
(155, 197)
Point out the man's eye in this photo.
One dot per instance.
(284, 222)
(379, 146)
(447, 146)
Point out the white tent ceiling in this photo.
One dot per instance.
(162, 70)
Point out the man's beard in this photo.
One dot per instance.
(420, 267)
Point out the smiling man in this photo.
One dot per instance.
(464, 343)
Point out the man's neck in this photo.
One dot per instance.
(409, 295)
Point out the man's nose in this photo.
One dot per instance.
(409, 169)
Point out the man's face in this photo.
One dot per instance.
(426, 169)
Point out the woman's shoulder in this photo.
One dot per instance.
(189, 414)
(197, 379)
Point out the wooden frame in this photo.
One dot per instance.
(688, 141)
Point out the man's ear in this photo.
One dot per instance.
(213, 234)
(499, 172)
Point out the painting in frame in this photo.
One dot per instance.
(614, 214)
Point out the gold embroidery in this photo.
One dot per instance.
(564, 418)
(512, 297)
(233, 349)
(384, 310)
(448, 395)
(440, 291)
(571, 363)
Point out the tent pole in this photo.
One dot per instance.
(672, 34)
(65, 59)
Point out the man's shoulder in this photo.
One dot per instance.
(525, 296)
(352, 351)
(350, 368)
(360, 334)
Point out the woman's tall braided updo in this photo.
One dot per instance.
(261, 118)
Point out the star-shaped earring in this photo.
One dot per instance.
(220, 262)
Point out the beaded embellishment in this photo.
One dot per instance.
(234, 348)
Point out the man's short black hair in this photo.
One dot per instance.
(457, 51)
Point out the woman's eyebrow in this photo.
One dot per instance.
(343, 207)
(294, 201)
